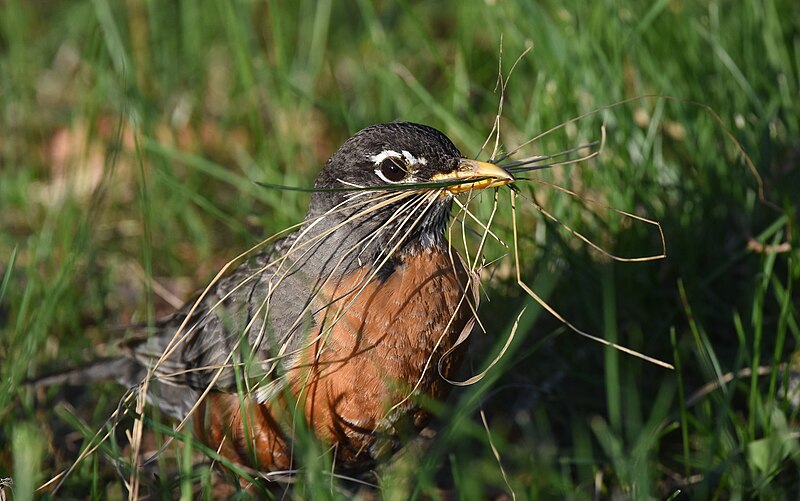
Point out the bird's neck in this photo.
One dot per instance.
(347, 242)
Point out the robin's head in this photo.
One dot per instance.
(398, 179)
(404, 155)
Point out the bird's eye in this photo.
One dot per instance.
(392, 170)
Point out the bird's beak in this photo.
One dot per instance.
(475, 175)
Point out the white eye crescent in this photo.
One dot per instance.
(393, 167)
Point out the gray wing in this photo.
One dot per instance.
(245, 331)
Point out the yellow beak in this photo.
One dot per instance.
(476, 176)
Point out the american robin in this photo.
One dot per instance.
(344, 321)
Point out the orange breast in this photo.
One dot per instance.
(376, 348)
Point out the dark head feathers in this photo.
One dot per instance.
(422, 150)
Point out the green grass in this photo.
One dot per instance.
(133, 135)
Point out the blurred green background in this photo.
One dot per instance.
(134, 132)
